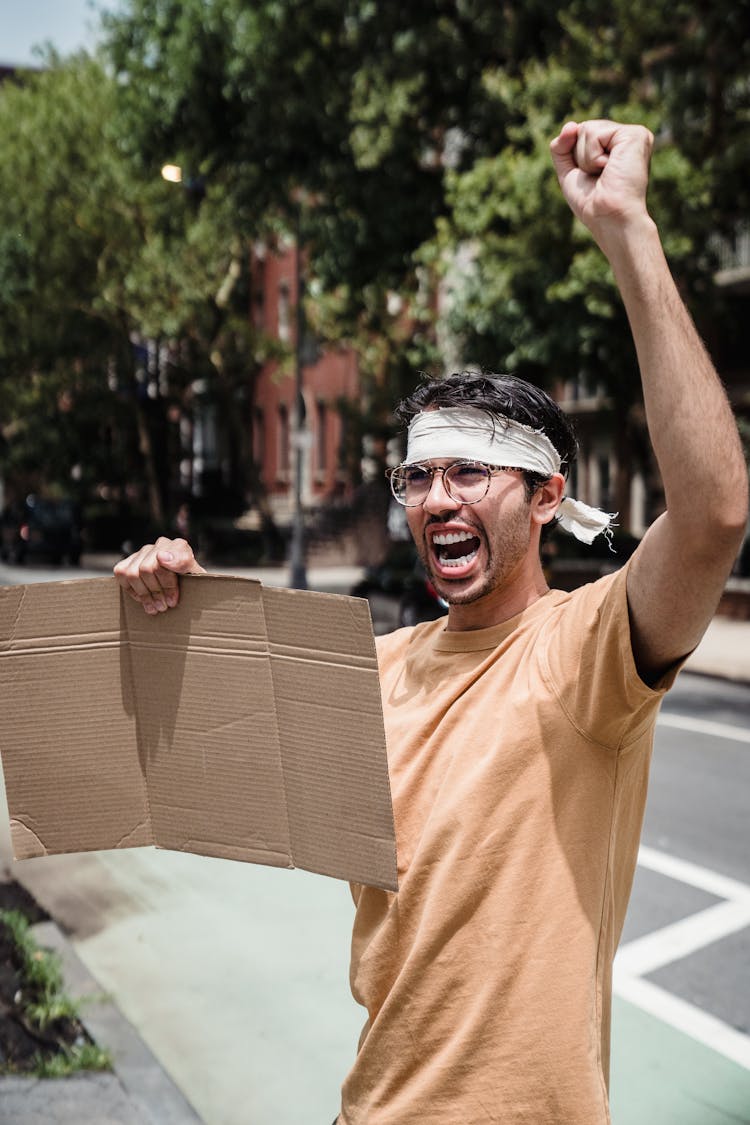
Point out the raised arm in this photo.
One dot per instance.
(679, 570)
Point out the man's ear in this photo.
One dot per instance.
(546, 500)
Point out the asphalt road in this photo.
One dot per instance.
(236, 975)
(697, 815)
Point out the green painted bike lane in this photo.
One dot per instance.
(660, 1076)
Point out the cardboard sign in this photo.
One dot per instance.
(246, 723)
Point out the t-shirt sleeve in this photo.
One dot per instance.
(588, 656)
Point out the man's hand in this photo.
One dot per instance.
(149, 576)
(602, 168)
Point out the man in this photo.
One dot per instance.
(519, 734)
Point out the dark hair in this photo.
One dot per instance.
(499, 396)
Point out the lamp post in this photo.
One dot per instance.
(298, 569)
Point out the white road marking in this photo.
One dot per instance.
(646, 954)
(685, 1017)
(679, 939)
(703, 726)
(693, 874)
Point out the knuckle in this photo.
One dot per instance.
(149, 565)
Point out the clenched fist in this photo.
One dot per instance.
(603, 168)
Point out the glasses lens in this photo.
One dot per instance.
(410, 484)
(467, 481)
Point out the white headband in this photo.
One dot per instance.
(471, 434)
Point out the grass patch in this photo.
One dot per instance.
(40, 1027)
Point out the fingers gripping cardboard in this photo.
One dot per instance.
(245, 724)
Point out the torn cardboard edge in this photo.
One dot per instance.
(246, 723)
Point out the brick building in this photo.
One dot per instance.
(327, 378)
(615, 468)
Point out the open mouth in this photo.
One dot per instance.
(455, 549)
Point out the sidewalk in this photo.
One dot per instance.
(337, 579)
(724, 651)
(138, 1091)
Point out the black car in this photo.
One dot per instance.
(48, 530)
(399, 591)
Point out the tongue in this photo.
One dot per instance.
(457, 550)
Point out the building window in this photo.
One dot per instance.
(284, 313)
(259, 437)
(259, 295)
(321, 434)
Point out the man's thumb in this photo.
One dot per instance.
(178, 563)
(561, 148)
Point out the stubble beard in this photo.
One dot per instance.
(504, 554)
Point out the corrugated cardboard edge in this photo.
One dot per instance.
(32, 636)
(322, 829)
(26, 842)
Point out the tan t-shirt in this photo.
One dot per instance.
(518, 758)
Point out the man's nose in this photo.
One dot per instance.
(439, 499)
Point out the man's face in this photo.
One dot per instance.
(469, 550)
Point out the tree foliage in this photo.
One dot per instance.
(407, 144)
(415, 129)
(117, 292)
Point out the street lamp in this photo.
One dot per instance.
(172, 173)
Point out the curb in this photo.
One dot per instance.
(137, 1092)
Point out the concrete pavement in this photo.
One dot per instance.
(235, 978)
(724, 651)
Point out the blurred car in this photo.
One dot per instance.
(48, 530)
(399, 591)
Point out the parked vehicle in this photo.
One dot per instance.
(399, 591)
(49, 530)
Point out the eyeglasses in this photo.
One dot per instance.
(465, 481)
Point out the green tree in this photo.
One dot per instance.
(98, 256)
(528, 289)
(407, 146)
(417, 135)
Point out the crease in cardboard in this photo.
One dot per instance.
(201, 847)
(196, 649)
(245, 724)
(130, 703)
(289, 834)
(319, 656)
(122, 843)
(98, 639)
(221, 728)
(342, 709)
(19, 610)
(8, 592)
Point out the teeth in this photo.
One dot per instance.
(457, 562)
(452, 537)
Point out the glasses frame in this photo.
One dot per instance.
(492, 470)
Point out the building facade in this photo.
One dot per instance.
(326, 379)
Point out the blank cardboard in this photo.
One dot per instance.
(246, 723)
